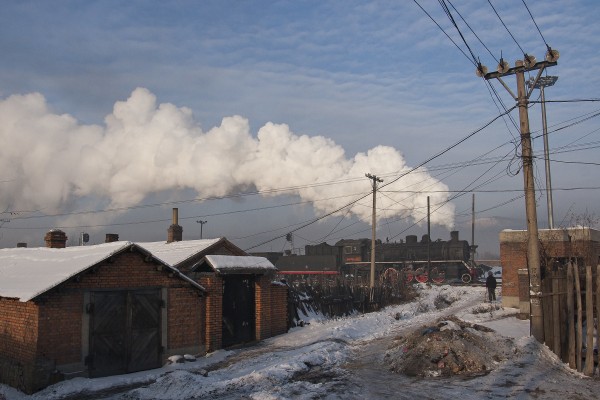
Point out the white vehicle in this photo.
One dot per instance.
(496, 272)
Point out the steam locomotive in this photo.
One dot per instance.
(423, 260)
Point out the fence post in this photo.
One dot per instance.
(589, 318)
(578, 334)
(598, 308)
(571, 316)
(555, 315)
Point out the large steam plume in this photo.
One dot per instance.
(49, 161)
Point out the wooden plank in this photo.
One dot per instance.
(579, 329)
(555, 316)
(598, 308)
(571, 316)
(589, 318)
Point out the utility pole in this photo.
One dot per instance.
(543, 82)
(375, 180)
(201, 226)
(473, 247)
(522, 98)
(428, 237)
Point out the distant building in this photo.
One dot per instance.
(557, 247)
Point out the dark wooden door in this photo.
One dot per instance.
(124, 331)
(238, 310)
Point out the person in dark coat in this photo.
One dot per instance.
(490, 284)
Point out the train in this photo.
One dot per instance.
(422, 261)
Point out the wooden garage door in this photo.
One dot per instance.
(124, 331)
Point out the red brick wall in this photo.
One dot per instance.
(18, 330)
(513, 256)
(60, 327)
(214, 311)
(127, 270)
(18, 336)
(279, 311)
(262, 299)
(185, 318)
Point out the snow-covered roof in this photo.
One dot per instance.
(175, 253)
(238, 264)
(28, 272)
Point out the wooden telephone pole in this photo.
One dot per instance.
(533, 252)
(375, 180)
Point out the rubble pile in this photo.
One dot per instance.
(448, 347)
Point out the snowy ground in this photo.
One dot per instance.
(343, 359)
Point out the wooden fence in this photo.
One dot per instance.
(342, 297)
(570, 299)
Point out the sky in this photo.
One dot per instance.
(262, 117)
(349, 358)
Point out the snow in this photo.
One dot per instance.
(342, 359)
(225, 264)
(27, 272)
(176, 252)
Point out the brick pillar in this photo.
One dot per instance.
(279, 309)
(524, 307)
(213, 320)
(262, 295)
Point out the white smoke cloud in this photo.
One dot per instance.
(49, 161)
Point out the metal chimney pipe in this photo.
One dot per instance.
(175, 216)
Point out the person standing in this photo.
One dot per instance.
(490, 284)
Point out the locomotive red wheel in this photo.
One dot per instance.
(437, 275)
(421, 275)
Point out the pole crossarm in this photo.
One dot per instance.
(521, 69)
(514, 70)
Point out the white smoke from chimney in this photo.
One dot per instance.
(49, 161)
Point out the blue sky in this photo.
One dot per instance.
(361, 74)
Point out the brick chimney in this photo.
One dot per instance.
(111, 237)
(175, 231)
(56, 239)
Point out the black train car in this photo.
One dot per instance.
(449, 259)
(440, 250)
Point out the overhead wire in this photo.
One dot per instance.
(472, 31)
(506, 27)
(535, 23)
(448, 36)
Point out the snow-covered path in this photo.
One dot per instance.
(342, 359)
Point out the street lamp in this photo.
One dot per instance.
(201, 226)
(543, 82)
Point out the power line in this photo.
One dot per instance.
(472, 31)
(592, 100)
(536, 25)
(448, 36)
(506, 27)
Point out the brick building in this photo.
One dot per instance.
(121, 307)
(557, 247)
